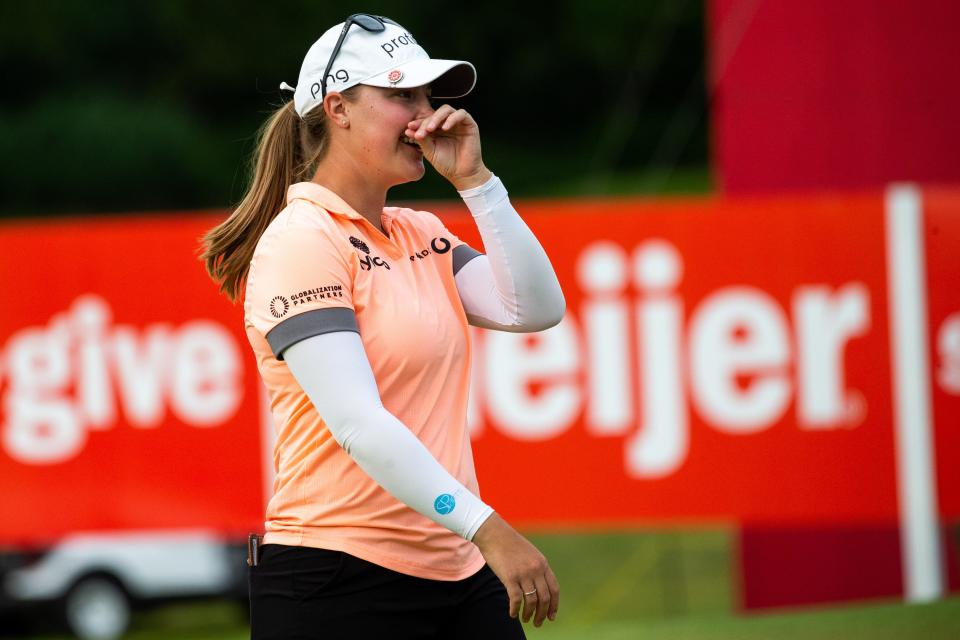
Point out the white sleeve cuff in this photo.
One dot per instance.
(485, 198)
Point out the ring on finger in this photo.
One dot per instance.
(530, 593)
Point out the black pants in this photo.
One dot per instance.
(300, 593)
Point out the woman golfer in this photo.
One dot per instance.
(357, 314)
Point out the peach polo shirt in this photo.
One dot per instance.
(321, 267)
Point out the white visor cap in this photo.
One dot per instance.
(390, 58)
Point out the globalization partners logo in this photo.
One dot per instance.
(279, 306)
(444, 504)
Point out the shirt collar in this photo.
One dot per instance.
(322, 197)
(328, 200)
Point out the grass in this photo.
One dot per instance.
(937, 621)
(886, 621)
(629, 575)
(652, 585)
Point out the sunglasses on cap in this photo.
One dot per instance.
(367, 22)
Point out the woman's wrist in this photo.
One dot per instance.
(492, 530)
(476, 179)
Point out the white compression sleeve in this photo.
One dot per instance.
(333, 370)
(513, 287)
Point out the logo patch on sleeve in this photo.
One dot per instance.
(444, 504)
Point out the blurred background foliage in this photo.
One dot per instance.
(122, 107)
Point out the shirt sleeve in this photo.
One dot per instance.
(443, 240)
(300, 285)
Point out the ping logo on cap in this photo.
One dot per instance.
(395, 76)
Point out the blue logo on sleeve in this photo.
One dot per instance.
(444, 504)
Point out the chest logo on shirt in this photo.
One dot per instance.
(368, 262)
(439, 246)
(359, 244)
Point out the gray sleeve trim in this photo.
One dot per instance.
(309, 324)
(462, 255)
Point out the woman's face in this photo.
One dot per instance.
(378, 118)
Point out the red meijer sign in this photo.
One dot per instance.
(721, 360)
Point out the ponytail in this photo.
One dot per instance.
(288, 149)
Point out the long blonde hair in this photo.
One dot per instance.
(288, 150)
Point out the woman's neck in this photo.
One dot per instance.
(367, 198)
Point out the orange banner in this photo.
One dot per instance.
(942, 226)
(128, 393)
(720, 360)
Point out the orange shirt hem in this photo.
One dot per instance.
(370, 554)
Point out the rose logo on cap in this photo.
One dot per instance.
(395, 76)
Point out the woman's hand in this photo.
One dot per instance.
(450, 141)
(521, 568)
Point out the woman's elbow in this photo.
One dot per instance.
(557, 309)
(550, 312)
